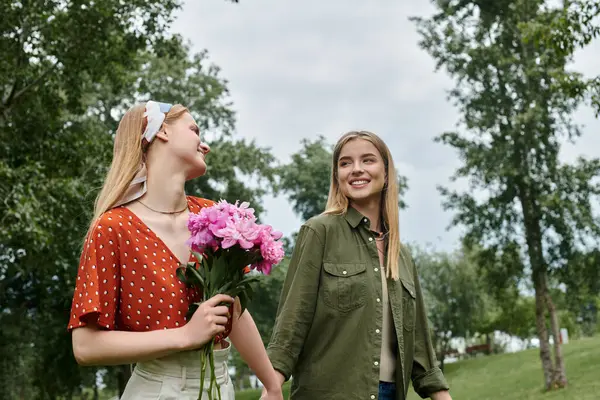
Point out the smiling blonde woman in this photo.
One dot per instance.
(351, 322)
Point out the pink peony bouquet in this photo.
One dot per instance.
(228, 244)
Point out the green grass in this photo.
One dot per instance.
(515, 376)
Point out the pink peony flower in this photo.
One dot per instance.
(238, 231)
(272, 251)
(267, 233)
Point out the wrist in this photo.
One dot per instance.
(275, 382)
(442, 395)
(181, 339)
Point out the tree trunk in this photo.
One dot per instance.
(542, 330)
(559, 379)
(443, 355)
(96, 394)
(488, 342)
(543, 302)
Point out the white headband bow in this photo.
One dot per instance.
(154, 114)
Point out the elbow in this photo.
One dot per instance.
(82, 348)
(81, 353)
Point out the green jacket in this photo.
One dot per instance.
(326, 333)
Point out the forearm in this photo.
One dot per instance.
(246, 339)
(441, 395)
(92, 346)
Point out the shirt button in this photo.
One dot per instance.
(366, 220)
(344, 272)
(370, 239)
(372, 396)
(377, 331)
(376, 363)
(376, 269)
(378, 300)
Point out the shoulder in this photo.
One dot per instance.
(323, 223)
(201, 202)
(110, 221)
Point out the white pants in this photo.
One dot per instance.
(177, 376)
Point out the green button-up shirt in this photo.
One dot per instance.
(327, 332)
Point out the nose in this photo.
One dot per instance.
(357, 169)
(204, 148)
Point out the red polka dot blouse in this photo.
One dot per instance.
(126, 278)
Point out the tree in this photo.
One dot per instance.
(581, 277)
(263, 309)
(307, 177)
(575, 26)
(516, 98)
(68, 73)
(454, 296)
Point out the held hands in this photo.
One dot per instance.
(208, 320)
(274, 393)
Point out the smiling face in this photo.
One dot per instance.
(185, 144)
(361, 171)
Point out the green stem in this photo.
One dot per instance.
(202, 371)
(212, 371)
(214, 378)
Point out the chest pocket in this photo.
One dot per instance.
(344, 286)
(408, 305)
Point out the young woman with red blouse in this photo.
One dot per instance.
(128, 306)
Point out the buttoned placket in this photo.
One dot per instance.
(379, 314)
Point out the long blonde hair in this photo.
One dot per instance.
(128, 155)
(337, 202)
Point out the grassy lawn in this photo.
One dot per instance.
(516, 376)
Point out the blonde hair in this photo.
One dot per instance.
(337, 202)
(128, 155)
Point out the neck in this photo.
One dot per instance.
(372, 210)
(166, 188)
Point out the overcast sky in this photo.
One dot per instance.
(302, 69)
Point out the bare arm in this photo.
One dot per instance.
(246, 339)
(94, 346)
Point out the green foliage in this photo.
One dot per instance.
(455, 298)
(518, 319)
(516, 97)
(306, 178)
(68, 73)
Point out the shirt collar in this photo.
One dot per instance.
(354, 217)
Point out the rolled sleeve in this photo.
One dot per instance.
(430, 382)
(297, 303)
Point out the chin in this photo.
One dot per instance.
(196, 172)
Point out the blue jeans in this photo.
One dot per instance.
(387, 391)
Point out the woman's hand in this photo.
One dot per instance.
(208, 320)
(274, 392)
(271, 394)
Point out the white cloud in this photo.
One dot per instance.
(298, 70)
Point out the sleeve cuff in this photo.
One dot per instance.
(281, 360)
(430, 382)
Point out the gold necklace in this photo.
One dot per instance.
(164, 212)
